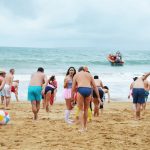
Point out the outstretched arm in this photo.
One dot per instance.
(145, 76)
(131, 87)
(108, 96)
(45, 83)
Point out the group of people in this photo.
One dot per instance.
(41, 88)
(7, 86)
(80, 88)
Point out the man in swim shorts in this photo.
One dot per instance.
(84, 81)
(7, 88)
(139, 94)
(35, 90)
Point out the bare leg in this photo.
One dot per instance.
(16, 95)
(96, 107)
(80, 103)
(44, 101)
(86, 106)
(37, 107)
(34, 109)
(2, 99)
(144, 106)
(138, 110)
(48, 95)
(7, 101)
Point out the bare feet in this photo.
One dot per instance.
(35, 116)
(82, 130)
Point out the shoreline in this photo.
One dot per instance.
(115, 129)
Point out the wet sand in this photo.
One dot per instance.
(114, 130)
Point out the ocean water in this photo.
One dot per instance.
(57, 60)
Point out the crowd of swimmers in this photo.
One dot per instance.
(81, 91)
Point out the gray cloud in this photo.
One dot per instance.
(52, 23)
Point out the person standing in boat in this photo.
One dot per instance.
(118, 57)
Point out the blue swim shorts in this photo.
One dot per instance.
(85, 91)
(138, 95)
(34, 93)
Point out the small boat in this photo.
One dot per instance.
(112, 59)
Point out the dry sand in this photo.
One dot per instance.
(114, 130)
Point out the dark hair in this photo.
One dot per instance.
(106, 87)
(40, 69)
(52, 78)
(96, 77)
(11, 70)
(81, 69)
(69, 70)
(135, 78)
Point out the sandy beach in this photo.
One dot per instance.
(115, 129)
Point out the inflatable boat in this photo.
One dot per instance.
(112, 59)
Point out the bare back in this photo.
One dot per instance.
(83, 79)
(139, 83)
(2, 82)
(9, 79)
(37, 79)
(98, 83)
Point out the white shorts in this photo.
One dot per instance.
(6, 91)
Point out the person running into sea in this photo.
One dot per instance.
(35, 90)
(2, 83)
(49, 92)
(99, 85)
(55, 84)
(6, 92)
(106, 91)
(84, 81)
(139, 94)
(131, 95)
(67, 92)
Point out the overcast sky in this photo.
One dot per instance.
(107, 24)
